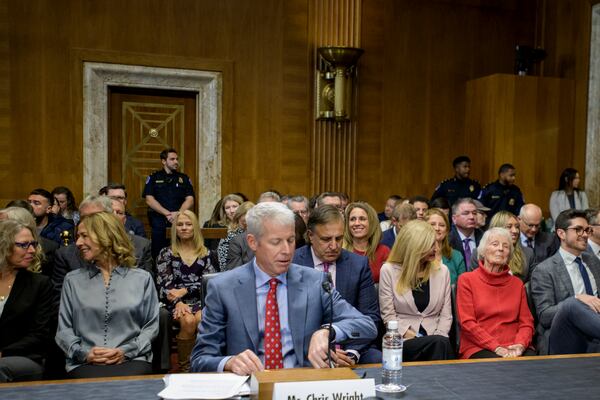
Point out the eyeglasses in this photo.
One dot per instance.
(25, 245)
(119, 198)
(579, 230)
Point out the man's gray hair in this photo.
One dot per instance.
(103, 201)
(21, 215)
(464, 200)
(269, 211)
(268, 196)
(298, 199)
(486, 238)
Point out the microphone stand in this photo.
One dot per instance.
(327, 286)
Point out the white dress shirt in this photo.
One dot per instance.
(575, 275)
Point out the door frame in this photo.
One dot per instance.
(207, 85)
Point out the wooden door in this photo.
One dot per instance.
(142, 123)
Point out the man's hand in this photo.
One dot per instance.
(318, 348)
(244, 363)
(592, 302)
(343, 360)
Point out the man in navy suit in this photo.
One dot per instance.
(232, 335)
(350, 273)
(544, 244)
(464, 235)
(400, 216)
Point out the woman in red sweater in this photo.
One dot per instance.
(362, 235)
(492, 306)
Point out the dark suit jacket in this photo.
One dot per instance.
(230, 321)
(546, 244)
(388, 238)
(550, 285)
(67, 259)
(456, 243)
(239, 252)
(354, 282)
(49, 247)
(134, 226)
(27, 316)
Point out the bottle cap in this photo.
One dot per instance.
(392, 324)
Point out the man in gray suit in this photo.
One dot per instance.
(241, 303)
(565, 291)
(239, 252)
(593, 218)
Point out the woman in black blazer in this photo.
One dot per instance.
(26, 305)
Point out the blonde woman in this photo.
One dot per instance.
(450, 257)
(522, 257)
(414, 289)
(362, 235)
(109, 309)
(26, 305)
(222, 216)
(180, 268)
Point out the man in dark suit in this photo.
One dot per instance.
(401, 215)
(117, 191)
(350, 273)
(270, 291)
(464, 236)
(564, 289)
(543, 244)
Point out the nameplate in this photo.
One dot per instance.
(350, 389)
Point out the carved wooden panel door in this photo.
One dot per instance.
(144, 122)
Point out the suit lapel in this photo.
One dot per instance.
(246, 289)
(305, 257)
(563, 274)
(297, 309)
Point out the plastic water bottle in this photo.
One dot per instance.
(391, 371)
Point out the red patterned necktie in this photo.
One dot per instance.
(273, 357)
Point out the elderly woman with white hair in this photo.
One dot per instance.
(492, 306)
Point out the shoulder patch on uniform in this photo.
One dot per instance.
(148, 179)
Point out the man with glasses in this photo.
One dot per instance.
(543, 244)
(593, 218)
(117, 191)
(464, 235)
(299, 205)
(564, 289)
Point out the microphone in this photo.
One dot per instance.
(328, 287)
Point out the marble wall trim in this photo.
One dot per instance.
(207, 85)
(592, 157)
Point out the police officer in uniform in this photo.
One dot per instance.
(503, 194)
(166, 192)
(460, 186)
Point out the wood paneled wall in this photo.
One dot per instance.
(412, 83)
(418, 58)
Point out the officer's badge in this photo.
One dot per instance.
(180, 180)
(471, 188)
(511, 202)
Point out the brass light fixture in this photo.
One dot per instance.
(335, 82)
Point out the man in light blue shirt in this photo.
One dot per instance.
(232, 332)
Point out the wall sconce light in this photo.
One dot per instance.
(335, 82)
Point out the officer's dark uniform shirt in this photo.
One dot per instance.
(500, 197)
(453, 189)
(170, 190)
(57, 224)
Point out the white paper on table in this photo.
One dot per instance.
(202, 386)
